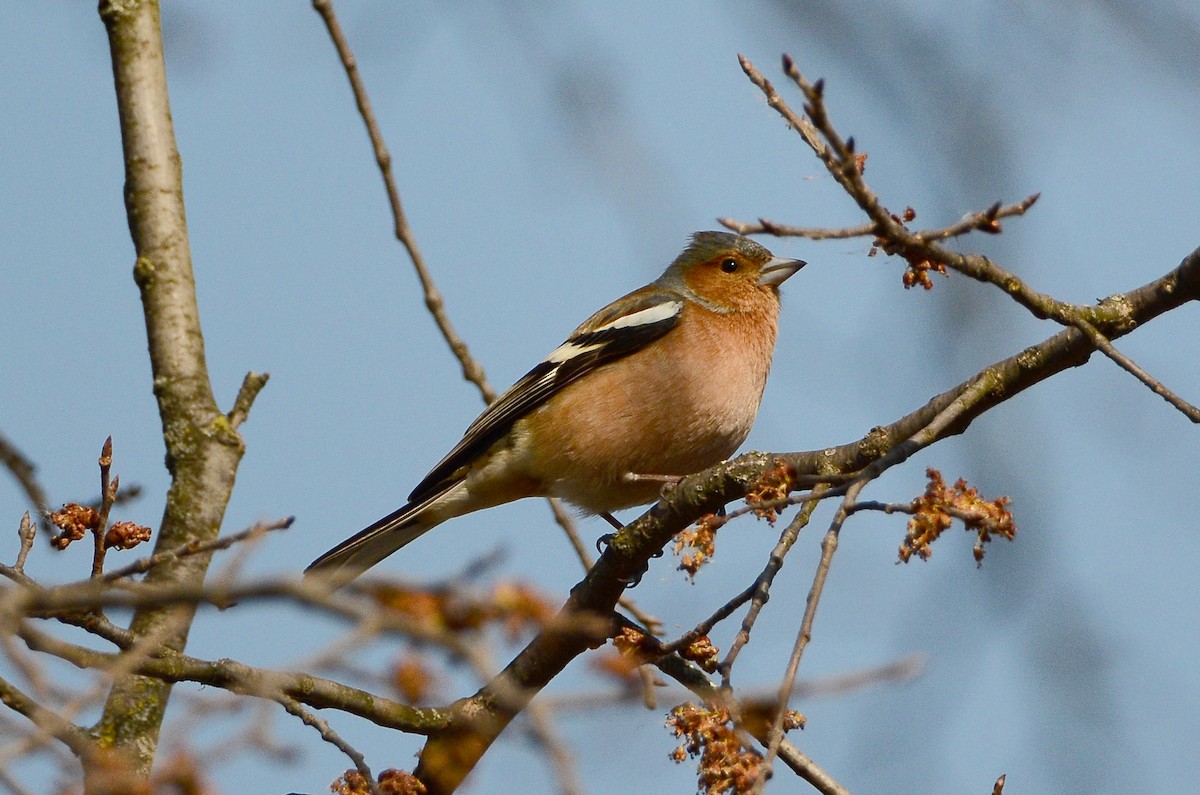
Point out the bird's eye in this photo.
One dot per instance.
(729, 265)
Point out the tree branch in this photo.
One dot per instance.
(921, 249)
(471, 369)
(47, 721)
(25, 473)
(203, 448)
(244, 679)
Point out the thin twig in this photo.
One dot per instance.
(762, 587)
(143, 565)
(471, 369)
(25, 473)
(12, 784)
(920, 248)
(829, 546)
(1157, 387)
(706, 626)
(911, 509)
(769, 227)
(27, 534)
(49, 723)
(332, 737)
(562, 762)
(108, 495)
(569, 528)
(252, 384)
(984, 221)
(834, 485)
(809, 770)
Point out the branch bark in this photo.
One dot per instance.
(203, 448)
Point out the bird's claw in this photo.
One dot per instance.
(635, 580)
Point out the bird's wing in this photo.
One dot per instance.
(625, 326)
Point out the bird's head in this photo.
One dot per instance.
(728, 272)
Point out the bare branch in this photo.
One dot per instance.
(920, 249)
(108, 495)
(471, 369)
(25, 473)
(985, 221)
(762, 587)
(766, 226)
(143, 565)
(252, 384)
(28, 535)
(1128, 365)
(203, 449)
(332, 737)
(47, 721)
(788, 683)
(261, 683)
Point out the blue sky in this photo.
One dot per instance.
(552, 157)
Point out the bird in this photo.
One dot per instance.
(660, 384)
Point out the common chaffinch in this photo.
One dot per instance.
(659, 384)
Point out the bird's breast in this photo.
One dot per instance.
(670, 409)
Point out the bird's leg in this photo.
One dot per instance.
(668, 481)
(607, 538)
(636, 477)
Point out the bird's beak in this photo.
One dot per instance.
(777, 270)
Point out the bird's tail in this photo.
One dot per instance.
(363, 550)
